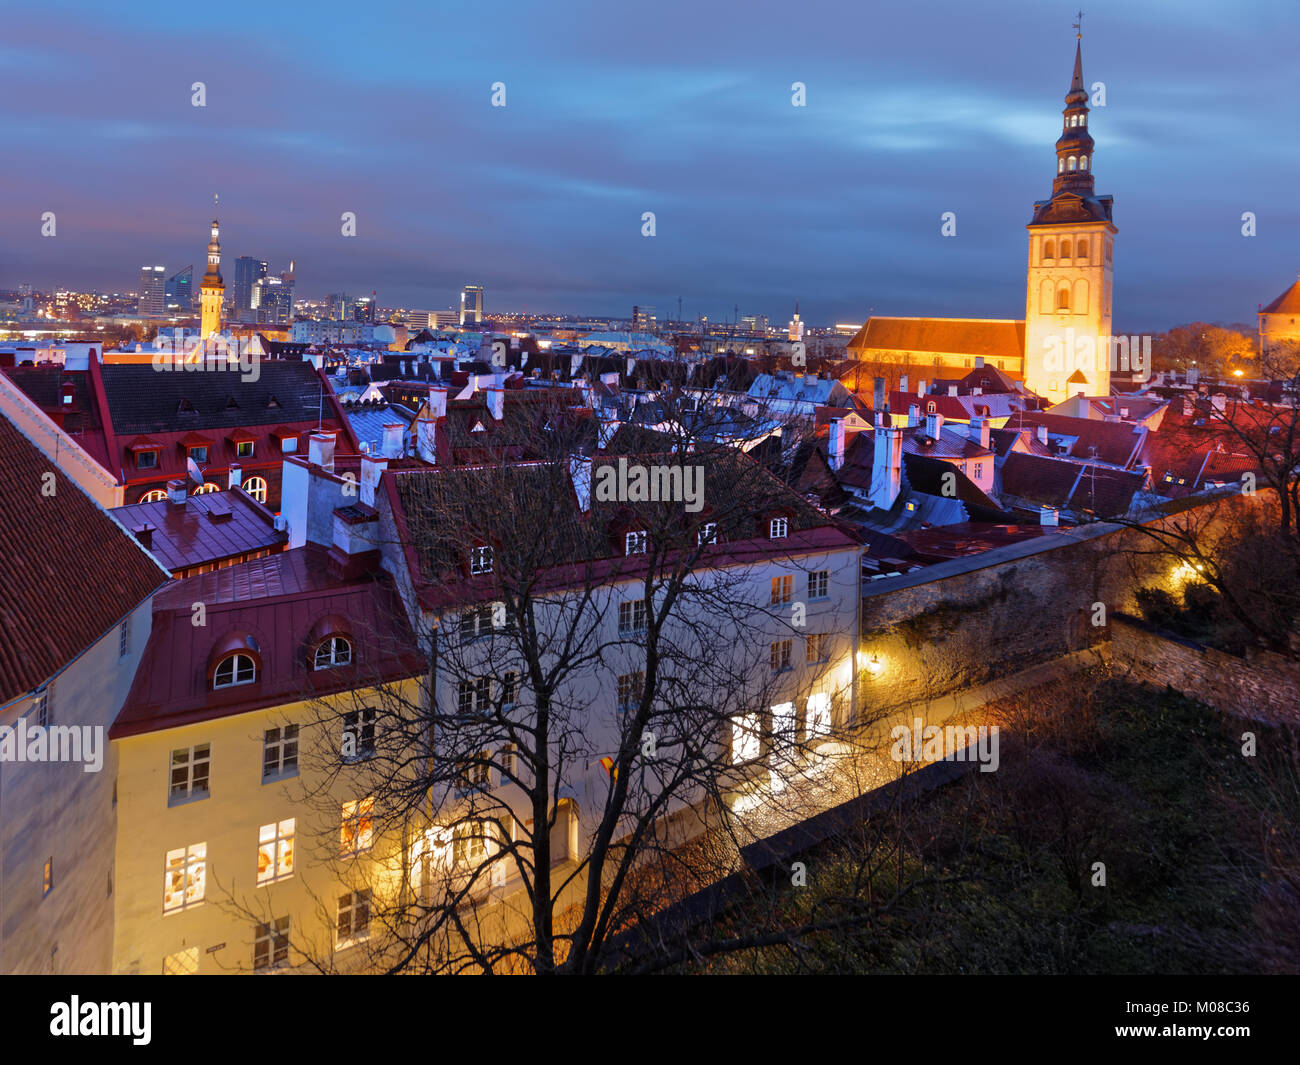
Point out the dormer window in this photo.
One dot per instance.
(634, 543)
(480, 560)
(234, 670)
(146, 460)
(708, 533)
(931, 407)
(244, 449)
(778, 528)
(334, 651)
(199, 454)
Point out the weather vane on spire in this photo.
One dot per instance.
(1078, 26)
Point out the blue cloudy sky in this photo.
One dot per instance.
(680, 107)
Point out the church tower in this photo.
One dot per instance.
(1071, 253)
(213, 289)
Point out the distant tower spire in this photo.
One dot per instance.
(212, 290)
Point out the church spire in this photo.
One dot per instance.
(1074, 146)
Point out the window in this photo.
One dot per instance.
(634, 543)
(1072, 163)
(782, 589)
(479, 621)
(819, 583)
(819, 715)
(244, 449)
(279, 753)
(271, 944)
(335, 651)
(157, 495)
(182, 963)
(124, 638)
(631, 617)
(746, 738)
(979, 470)
(256, 487)
(189, 773)
(1083, 162)
(778, 528)
(146, 460)
(1060, 166)
(708, 533)
(469, 843)
(184, 877)
(474, 696)
(475, 773)
(630, 688)
(819, 647)
(480, 560)
(1065, 249)
(1063, 298)
(353, 918)
(783, 721)
(931, 407)
(357, 829)
(275, 851)
(199, 454)
(48, 883)
(1082, 253)
(234, 669)
(1049, 250)
(509, 689)
(43, 706)
(358, 734)
(781, 655)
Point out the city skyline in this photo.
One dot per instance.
(541, 201)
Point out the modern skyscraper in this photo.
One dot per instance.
(363, 310)
(471, 305)
(1071, 253)
(213, 289)
(179, 292)
(247, 273)
(152, 298)
(336, 304)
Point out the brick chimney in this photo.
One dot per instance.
(320, 450)
(235, 477)
(835, 443)
(979, 431)
(176, 493)
(886, 467)
(913, 416)
(392, 445)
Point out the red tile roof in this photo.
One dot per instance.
(70, 572)
(279, 602)
(1287, 303)
(1114, 443)
(991, 338)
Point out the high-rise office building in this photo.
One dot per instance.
(179, 292)
(336, 305)
(471, 305)
(248, 271)
(363, 310)
(153, 285)
(272, 301)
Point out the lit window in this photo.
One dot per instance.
(256, 487)
(244, 449)
(157, 495)
(480, 560)
(819, 582)
(631, 617)
(335, 651)
(271, 944)
(469, 843)
(630, 688)
(189, 779)
(182, 963)
(357, 829)
(279, 753)
(353, 925)
(781, 655)
(1060, 166)
(234, 669)
(783, 721)
(782, 589)
(1072, 163)
(746, 738)
(275, 851)
(819, 715)
(1083, 162)
(358, 734)
(48, 882)
(184, 878)
(205, 489)
(634, 543)
(708, 533)
(778, 528)
(819, 648)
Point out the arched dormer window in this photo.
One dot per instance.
(1065, 249)
(931, 407)
(1083, 162)
(1049, 250)
(1072, 163)
(334, 651)
(233, 670)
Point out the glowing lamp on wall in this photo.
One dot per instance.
(870, 663)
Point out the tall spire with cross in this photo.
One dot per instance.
(212, 291)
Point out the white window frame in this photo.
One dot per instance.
(708, 533)
(275, 846)
(184, 878)
(362, 725)
(195, 757)
(631, 686)
(272, 941)
(778, 528)
(780, 660)
(480, 559)
(334, 656)
(782, 589)
(358, 822)
(632, 617)
(819, 584)
(257, 488)
(235, 671)
(636, 542)
(285, 744)
(351, 904)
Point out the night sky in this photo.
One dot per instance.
(680, 107)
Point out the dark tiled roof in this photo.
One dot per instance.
(1081, 487)
(70, 572)
(1114, 443)
(196, 531)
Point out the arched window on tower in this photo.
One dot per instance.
(1065, 249)
(1072, 163)
(1063, 297)
(1049, 249)
(1083, 162)
(1082, 251)
(1083, 119)
(1060, 166)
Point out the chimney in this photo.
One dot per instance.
(606, 427)
(144, 535)
(920, 387)
(392, 445)
(1048, 515)
(979, 362)
(1220, 402)
(933, 425)
(902, 383)
(979, 431)
(886, 467)
(372, 469)
(496, 401)
(836, 443)
(176, 492)
(952, 390)
(438, 402)
(913, 416)
(879, 403)
(1042, 434)
(977, 391)
(236, 475)
(426, 439)
(320, 450)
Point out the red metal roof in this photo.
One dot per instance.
(194, 532)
